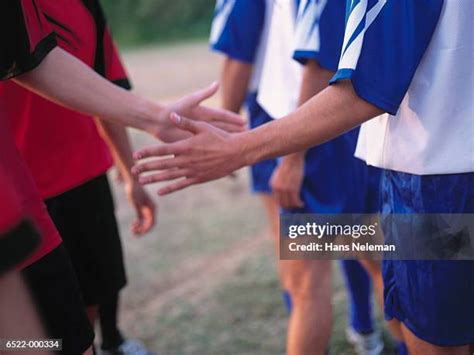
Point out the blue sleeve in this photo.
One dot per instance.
(237, 28)
(320, 32)
(384, 43)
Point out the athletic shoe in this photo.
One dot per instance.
(365, 344)
(129, 347)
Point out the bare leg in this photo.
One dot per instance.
(18, 316)
(309, 283)
(416, 346)
(273, 214)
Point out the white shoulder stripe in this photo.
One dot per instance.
(224, 8)
(351, 52)
(308, 36)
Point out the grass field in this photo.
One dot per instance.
(204, 281)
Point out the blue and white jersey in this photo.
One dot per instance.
(281, 77)
(413, 59)
(239, 31)
(320, 32)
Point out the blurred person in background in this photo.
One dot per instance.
(328, 179)
(405, 76)
(312, 181)
(240, 31)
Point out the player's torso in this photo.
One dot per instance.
(62, 147)
(433, 131)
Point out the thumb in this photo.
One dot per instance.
(185, 123)
(203, 94)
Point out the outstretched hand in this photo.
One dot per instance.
(209, 154)
(191, 107)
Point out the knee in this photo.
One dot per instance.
(307, 279)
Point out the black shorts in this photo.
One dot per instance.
(55, 291)
(85, 218)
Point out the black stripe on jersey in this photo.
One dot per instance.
(123, 83)
(36, 11)
(96, 11)
(55, 22)
(15, 54)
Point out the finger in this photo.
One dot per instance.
(294, 200)
(229, 127)
(197, 97)
(186, 124)
(159, 150)
(160, 164)
(180, 185)
(278, 197)
(285, 200)
(148, 219)
(137, 224)
(164, 176)
(219, 115)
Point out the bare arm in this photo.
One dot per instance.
(212, 154)
(336, 110)
(119, 144)
(287, 179)
(235, 79)
(118, 141)
(65, 80)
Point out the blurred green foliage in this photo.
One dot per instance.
(145, 21)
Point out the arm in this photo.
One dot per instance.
(211, 154)
(235, 79)
(64, 79)
(288, 177)
(118, 141)
(337, 108)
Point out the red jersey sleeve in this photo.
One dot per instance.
(114, 69)
(25, 37)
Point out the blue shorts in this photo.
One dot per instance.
(337, 182)
(434, 299)
(262, 172)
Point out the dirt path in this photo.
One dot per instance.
(186, 282)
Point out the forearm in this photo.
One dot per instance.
(315, 79)
(117, 138)
(65, 80)
(235, 79)
(334, 111)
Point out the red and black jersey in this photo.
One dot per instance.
(48, 135)
(82, 31)
(25, 37)
(18, 235)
